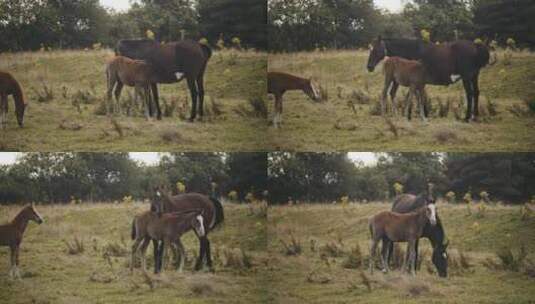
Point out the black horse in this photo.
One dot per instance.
(405, 203)
(172, 61)
(443, 61)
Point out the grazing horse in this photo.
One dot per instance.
(167, 228)
(134, 73)
(406, 203)
(391, 226)
(408, 73)
(444, 63)
(172, 62)
(279, 83)
(11, 235)
(10, 86)
(211, 209)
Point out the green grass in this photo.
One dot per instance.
(231, 79)
(51, 275)
(332, 125)
(501, 227)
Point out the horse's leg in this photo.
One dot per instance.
(278, 110)
(393, 91)
(154, 89)
(426, 102)
(372, 254)
(155, 253)
(3, 111)
(411, 257)
(409, 104)
(384, 254)
(467, 83)
(192, 85)
(390, 251)
(388, 82)
(135, 248)
(146, 98)
(202, 250)
(144, 246)
(12, 262)
(475, 84)
(200, 86)
(416, 254)
(17, 270)
(208, 255)
(421, 105)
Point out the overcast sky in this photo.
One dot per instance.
(123, 5)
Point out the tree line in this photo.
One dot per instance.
(33, 25)
(97, 177)
(308, 25)
(328, 177)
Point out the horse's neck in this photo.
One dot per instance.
(408, 49)
(435, 234)
(295, 83)
(17, 94)
(20, 222)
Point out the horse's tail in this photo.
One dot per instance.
(207, 51)
(483, 55)
(133, 235)
(219, 213)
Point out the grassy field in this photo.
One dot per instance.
(100, 273)
(65, 89)
(329, 234)
(333, 125)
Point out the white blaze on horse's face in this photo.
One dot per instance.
(179, 75)
(315, 91)
(433, 215)
(200, 230)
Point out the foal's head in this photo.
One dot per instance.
(197, 223)
(431, 213)
(31, 214)
(377, 53)
(156, 204)
(311, 90)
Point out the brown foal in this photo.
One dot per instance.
(11, 235)
(391, 226)
(279, 83)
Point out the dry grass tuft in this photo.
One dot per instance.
(318, 277)
(354, 259)
(115, 249)
(293, 247)
(117, 127)
(201, 288)
(236, 258)
(76, 246)
(172, 136)
(70, 125)
(445, 136)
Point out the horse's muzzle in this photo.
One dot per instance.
(370, 68)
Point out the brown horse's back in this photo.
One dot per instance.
(279, 82)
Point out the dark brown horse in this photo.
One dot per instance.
(11, 235)
(405, 203)
(172, 62)
(391, 226)
(211, 209)
(10, 86)
(445, 62)
(279, 83)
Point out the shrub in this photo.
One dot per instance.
(354, 259)
(233, 195)
(332, 249)
(511, 261)
(450, 196)
(293, 247)
(426, 36)
(149, 34)
(398, 188)
(127, 199)
(180, 187)
(484, 196)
